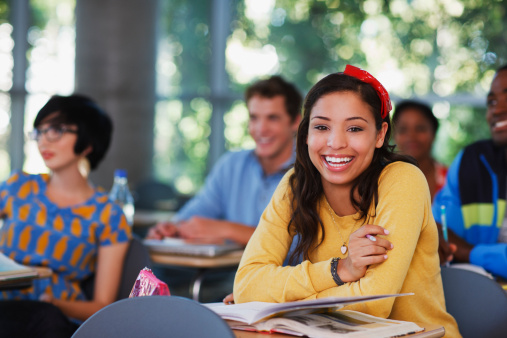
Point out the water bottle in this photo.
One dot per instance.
(120, 194)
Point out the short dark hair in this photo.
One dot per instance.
(94, 126)
(274, 86)
(423, 108)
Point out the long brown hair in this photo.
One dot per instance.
(306, 183)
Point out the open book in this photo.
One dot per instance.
(313, 318)
(10, 270)
(254, 312)
(343, 323)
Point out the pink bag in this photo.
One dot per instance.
(148, 285)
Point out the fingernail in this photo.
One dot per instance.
(371, 238)
(386, 231)
(385, 256)
(392, 246)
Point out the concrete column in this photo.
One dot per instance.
(19, 18)
(115, 65)
(221, 15)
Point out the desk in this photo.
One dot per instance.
(202, 264)
(147, 218)
(43, 272)
(20, 283)
(502, 282)
(431, 331)
(144, 219)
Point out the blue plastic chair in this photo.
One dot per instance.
(478, 303)
(154, 316)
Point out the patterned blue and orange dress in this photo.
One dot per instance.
(37, 232)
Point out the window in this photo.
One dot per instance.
(443, 52)
(49, 47)
(50, 70)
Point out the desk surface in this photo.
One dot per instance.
(431, 331)
(147, 218)
(201, 264)
(222, 261)
(42, 272)
(502, 282)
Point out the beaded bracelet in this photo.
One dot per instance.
(334, 273)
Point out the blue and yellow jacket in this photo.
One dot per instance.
(474, 196)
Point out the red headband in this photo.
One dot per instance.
(366, 77)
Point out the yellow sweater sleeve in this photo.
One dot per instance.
(403, 209)
(261, 276)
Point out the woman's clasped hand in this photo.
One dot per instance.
(364, 251)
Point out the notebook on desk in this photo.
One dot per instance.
(11, 270)
(178, 246)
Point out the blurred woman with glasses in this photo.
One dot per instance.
(52, 133)
(62, 221)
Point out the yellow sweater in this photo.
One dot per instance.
(404, 209)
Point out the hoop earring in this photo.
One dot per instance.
(84, 167)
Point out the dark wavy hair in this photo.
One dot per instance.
(305, 182)
(94, 126)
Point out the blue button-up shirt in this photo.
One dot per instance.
(236, 190)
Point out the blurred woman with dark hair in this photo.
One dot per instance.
(415, 128)
(62, 221)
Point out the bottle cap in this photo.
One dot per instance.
(120, 173)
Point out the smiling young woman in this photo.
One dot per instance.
(342, 138)
(359, 213)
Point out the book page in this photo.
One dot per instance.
(245, 312)
(344, 323)
(255, 311)
(8, 265)
(10, 269)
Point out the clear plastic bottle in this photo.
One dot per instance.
(121, 195)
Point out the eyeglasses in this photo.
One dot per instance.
(52, 133)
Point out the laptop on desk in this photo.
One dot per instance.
(178, 246)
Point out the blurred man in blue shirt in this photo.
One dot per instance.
(241, 184)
